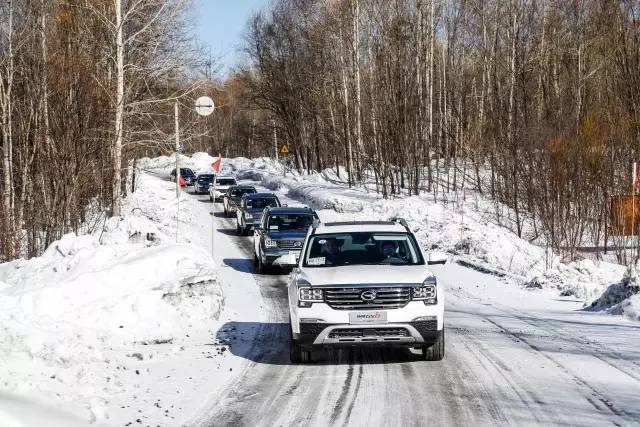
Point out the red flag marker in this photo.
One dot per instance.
(217, 164)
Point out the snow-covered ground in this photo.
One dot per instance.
(126, 326)
(119, 325)
(461, 223)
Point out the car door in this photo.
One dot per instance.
(240, 210)
(258, 232)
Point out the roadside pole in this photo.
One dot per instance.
(213, 218)
(204, 108)
(633, 221)
(275, 139)
(178, 174)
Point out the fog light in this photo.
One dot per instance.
(425, 319)
(304, 304)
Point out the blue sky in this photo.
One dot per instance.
(221, 25)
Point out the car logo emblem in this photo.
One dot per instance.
(368, 295)
(297, 244)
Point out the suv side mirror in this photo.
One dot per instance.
(437, 258)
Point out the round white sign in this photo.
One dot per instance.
(204, 106)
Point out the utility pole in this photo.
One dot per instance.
(178, 174)
(275, 138)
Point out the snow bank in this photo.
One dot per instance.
(163, 165)
(65, 313)
(622, 298)
(462, 226)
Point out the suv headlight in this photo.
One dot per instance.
(248, 216)
(427, 292)
(268, 243)
(310, 294)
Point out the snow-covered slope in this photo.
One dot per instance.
(72, 319)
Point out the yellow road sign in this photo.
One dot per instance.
(284, 149)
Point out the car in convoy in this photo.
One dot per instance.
(186, 174)
(222, 184)
(365, 284)
(202, 182)
(231, 199)
(281, 232)
(249, 212)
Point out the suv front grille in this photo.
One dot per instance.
(368, 332)
(352, 298)
(289, 244)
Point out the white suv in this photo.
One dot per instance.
(365, 283)
(218, 188)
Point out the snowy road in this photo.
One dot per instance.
(513, 358)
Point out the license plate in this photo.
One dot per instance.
(368, 317)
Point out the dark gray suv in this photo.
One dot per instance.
(281, 232)
(250, 210)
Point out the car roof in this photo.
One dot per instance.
(242, 187)
(291, 210)
(362, 226)
(260, 196)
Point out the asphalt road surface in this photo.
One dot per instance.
(504, 365)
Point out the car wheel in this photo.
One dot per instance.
(262, 268)
(255, 259)
(297, 353)
(434, 352)
(226, 213)
(238, 229)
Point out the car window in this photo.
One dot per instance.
(226, 181)
(238, 192)
(362, 248)
(283, 222)
(262, 202)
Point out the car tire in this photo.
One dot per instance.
(239, 229)
(262, 267)
(210, 198)
(226, 213)
(434, 352)
(297, 353)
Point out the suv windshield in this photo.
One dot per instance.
(358, 248)
(262, 202)
(284, 222)
(225, 181)
(238, 192)
(205, 178)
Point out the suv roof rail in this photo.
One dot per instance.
(400, 221)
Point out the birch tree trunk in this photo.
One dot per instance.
(7, 146)
(116, 194)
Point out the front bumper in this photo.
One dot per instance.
(270, 255)
(315, 324)
(251, 223)
(408, 334)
